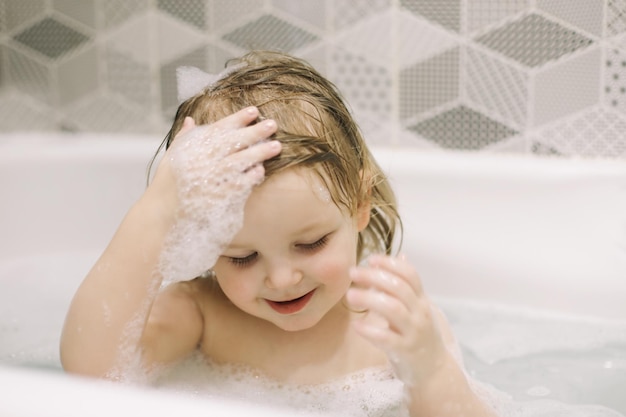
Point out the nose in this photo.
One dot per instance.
(283, 274)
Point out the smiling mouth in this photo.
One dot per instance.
(291, 306)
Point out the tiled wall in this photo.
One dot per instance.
(531, 76)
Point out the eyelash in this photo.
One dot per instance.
(309, 247)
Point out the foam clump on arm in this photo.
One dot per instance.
(175, 230)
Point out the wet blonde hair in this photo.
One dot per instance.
(315, 128)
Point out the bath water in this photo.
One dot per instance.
(530, 363)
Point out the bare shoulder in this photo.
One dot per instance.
(175, 324)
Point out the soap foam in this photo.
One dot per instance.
(212, 191)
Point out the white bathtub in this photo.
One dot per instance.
(543, 234)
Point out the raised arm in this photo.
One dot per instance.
(206, 169)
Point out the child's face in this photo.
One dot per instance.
(289, 263)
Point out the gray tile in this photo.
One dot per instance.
(83, 11)
(13, 13)
(115, 12)
(447, 13)
(50, 38)
(128, 77)
(429, 84)
(534, 40)
(30, 76)
(615, 17)
(462, 128)
(77, 76)
(189, 11)
(348, 12)
(270, 32)
(365, 85)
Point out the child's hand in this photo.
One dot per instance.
(212, 162)
(202, 184)
(399, 318)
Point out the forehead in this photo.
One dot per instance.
(301, 182)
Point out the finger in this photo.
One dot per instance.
(256, 154)
(393, 311)
(238, 119)
(398, 266)
(385, 281)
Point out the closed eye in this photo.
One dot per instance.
(318, 244)
(243, 261)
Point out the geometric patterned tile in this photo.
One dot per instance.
(615, 17)
(587, 15)
(596, 132)
(208, 58)
(189, 11)
(365, 86)
(496, 86)
(415, 38)
(615, 79)
(15, 110)
(175, 38)
(14, 13)
(348, 12)
(77, 76)
(83, 11)
(447, 13)
(429, 84)
(229, 13)
(533, 40)
(133, 38)
(312, 12)
(567, 87)
(105, 114)
(30, 76)
(462, 128)
(128, 77)
(483, 13)
(116, 12)
(270, 32)
(50, 38)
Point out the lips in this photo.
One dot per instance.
(291, 306)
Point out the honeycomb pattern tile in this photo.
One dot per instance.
(447, 13)
(269, 32)
(462, 128)
(50, 38)
(189, 11)
(534, 40)
(429, 84)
